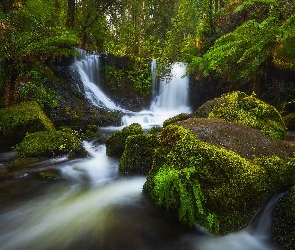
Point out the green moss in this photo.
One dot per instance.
(138, 154)
(250, 111)
(27, 116)
(180, 117)
(49, 143)
(211, 186)
(48, 175)
(115, 144)
(17, 120)
(284, 220)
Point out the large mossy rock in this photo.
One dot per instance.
(138, 154)
(244, 140)
(212, 186)
(17, 120)
(115, 144)
(248, 110)
(50, 144)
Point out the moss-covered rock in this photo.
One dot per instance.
(17, 120)
(115, 144)
(248, 110)
(138, 154)
(290, 121)
(211, 186)
(235, 136)
(180, 117)
(50, 143)
(48, 175)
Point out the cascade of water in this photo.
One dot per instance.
(169, 99)
(88, 68)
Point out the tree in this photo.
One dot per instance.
(249, 51)
(33, 36)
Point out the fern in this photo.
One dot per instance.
(176, 189)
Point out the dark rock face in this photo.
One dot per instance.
(246, 141)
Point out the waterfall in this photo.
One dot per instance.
(88, 68)
(170, 98)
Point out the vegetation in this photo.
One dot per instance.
(248, 110)
(17, 120)
(115, 144)
(49, 144)
(212, 186)
(138, 154)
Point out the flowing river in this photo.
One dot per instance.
(92, 207)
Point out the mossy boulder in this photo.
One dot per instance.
(50, 144)
(115, 144)
(211, 186)
(248, 110)
(290, 121)
(138, 154)
(17, 120)
(235, 137)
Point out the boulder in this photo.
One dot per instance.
(248, 110)
(212, 186)
(138, 154)
(244, 140)
(50, 144)
(115, 144)
(17, 120)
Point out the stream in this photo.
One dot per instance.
(92, 207)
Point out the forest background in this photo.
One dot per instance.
(229, 45)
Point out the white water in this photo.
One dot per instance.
(89, 212)
(170, 99)
(88, 68)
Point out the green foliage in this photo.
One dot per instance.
(250, 111)
(34, 92)
(141, 77)
(211, 186)
(49, 143)
(115, 144)
(138, 154)
(244, 52)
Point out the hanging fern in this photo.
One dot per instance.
(178, 190)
